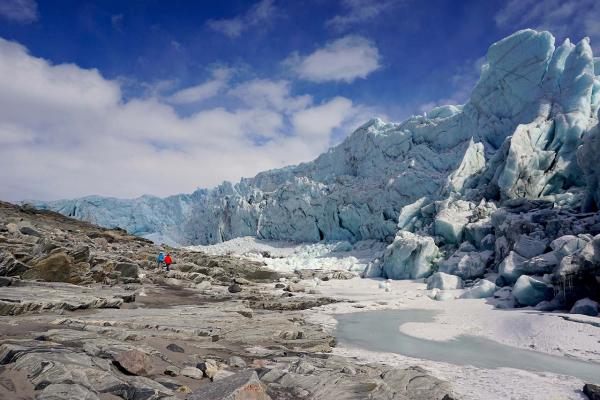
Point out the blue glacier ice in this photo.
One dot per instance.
(529, 291)
(462, 189)
(160, 219)
(442, 281)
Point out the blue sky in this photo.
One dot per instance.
(123, 98)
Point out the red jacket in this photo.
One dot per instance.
(168, 260)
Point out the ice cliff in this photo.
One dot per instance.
(438, 187)
(159, 219)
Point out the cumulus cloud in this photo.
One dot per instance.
(21, 11)
(204, 91)
(556, 16)
(265, 93)
(66, 131)
(361, 11)
(344, 59)
(319, 121)
(259, 13)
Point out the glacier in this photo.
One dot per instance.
(468, 190)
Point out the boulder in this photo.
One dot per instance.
(529, 291)
(295, 288)
(55, 267)
(234, 288)
(529, 247)
(349, 370)
(480, 290)
(589, 257)
(511, 267)
(243, 385)
(542, 264)
(467, 265)
(452, 217)
(241, 281)
(29, 231)
(443, 281)
(172, 370)
(134, 362)
(208, 367)
(501, 248)
(413, 383)
(10, 266)
(488, 242)
(410, 256)
(501, 282)
(585, 307)
(192, 372)
(592, 391)
(204, 285)
(128, 270)
(567, 245)
(12, 228)
(291, 335)
(43, 246)
(80, 254)
(235, 361)
(302, 367)
(373, 270)
(186, 267)
(545, 306)
(476, 232)
(175, 348)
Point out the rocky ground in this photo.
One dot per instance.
(86, 314)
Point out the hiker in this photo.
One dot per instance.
(168, 261)
(160, 259)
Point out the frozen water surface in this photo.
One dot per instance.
(379, 331)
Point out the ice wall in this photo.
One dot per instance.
(518, 136)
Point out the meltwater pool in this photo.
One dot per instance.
(379, 331)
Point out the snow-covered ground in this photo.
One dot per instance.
(290, 256)
(523, 328)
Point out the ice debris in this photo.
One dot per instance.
(509, 182)
(442, 281)
(529, 291)
(480, 290)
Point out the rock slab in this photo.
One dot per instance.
(241, 386)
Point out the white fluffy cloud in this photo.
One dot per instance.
(320, 120)
(21, 11)
(556, 16)
(259, 13)
(203, 91)
(265, 93)
(344, 59)
(67, 132)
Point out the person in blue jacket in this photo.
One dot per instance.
(160, 259)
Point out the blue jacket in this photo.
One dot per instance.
(161, 257)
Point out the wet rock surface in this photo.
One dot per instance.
(592, 391)
(125, 328)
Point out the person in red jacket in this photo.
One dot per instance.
(168, 261)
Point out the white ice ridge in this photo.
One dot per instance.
(518, 136)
